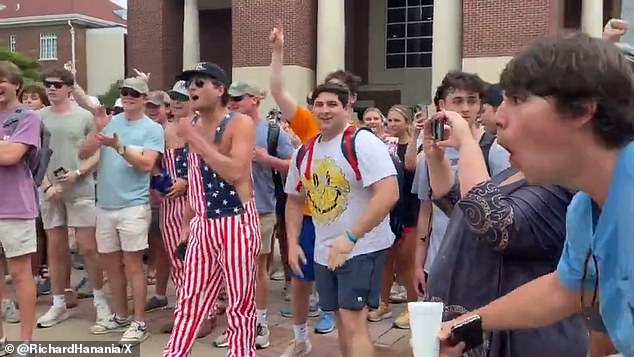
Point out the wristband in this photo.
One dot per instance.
(351, 237)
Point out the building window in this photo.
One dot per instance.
(12, 43)
(409, 28)
(48, 46)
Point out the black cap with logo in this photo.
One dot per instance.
(205, 68)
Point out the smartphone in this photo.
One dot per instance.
(469, 332)
(438, 129)
(180, 251)
(421, 108)
(60, 172)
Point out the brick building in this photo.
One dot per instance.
(41, 29)
(401, 48)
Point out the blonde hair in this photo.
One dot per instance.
(373, 109)
(406, 113)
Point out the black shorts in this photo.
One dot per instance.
(354, 285)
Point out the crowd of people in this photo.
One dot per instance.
(523, 195)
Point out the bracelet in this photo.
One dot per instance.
(351, 237)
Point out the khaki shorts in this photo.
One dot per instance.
(18, 237)
(77, 213)
(124, 229)
(267, 225)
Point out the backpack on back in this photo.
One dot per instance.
(348, 149)
(272, 139)
(36, 161)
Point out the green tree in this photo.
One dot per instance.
(31, 69)
(111, 95)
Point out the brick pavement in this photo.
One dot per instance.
(388, 341)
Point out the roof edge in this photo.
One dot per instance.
(48, 19)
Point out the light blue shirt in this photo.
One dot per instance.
(611, 242)
(119, 184)
(262, 175)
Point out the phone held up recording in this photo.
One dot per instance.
(438, 129)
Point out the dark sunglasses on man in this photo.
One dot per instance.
(178, 97)
(54, 84)
(127, 92)
(199, 81)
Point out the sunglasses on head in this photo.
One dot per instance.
(55, 84)
(127, 92)
(178, 97)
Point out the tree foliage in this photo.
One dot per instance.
(111, 95)
(31, 69)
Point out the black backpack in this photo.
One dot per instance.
(36, 161)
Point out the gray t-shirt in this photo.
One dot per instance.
(68, 131)
(262, 174)
(498, 162)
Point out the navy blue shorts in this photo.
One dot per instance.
(354, 285)
(307, 243)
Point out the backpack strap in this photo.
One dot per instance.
(348, 148)
(306, 149)
(272, 138)
(486, 141)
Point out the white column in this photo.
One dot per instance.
(331, 37)
(592, 17)
(446, 40)
(191, 35)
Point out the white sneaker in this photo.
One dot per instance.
(109, 325)
(53, 316)
(262, 339)
(10, 311)
(103, 310)
(297, 349)
(135, 334)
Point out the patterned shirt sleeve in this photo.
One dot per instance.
(488, 215)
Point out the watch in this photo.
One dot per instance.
(121, 150)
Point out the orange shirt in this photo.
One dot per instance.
(305, 126)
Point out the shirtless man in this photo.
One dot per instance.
(223, 228)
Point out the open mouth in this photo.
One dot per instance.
(194, 97)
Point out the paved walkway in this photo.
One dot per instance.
(389, 341)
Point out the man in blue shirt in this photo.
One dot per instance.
(246, 98)
(129, 145)
(568, 119)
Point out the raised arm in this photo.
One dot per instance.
(235, 166)
(284, 100)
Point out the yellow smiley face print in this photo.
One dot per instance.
(327, 190)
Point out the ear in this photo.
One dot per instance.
(441, 104)
(590, 110)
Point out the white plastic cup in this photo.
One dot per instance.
(425, 321)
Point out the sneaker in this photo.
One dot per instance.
(398, 294)
(221, 341)
(3, 345)
(109, 326)
(43, 286)
(383, 312)
(263, 337)
(313, 311)
(10, 311)
(103, 310)
(297, 349)
(135, 334)
(326, 323)
(155, 303)
(53, 316)
(278, 275)
(402, 321)
(83, 288)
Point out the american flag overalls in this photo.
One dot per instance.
(223, 247)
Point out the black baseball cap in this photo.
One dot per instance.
(206, 68)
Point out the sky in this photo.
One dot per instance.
(122, 3)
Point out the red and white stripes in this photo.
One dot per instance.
(220, 252)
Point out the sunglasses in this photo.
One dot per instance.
(237, 99)
(56, 85)
(179, 97)
(127, 92)
(199, 81)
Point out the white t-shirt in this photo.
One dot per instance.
(338, 200)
